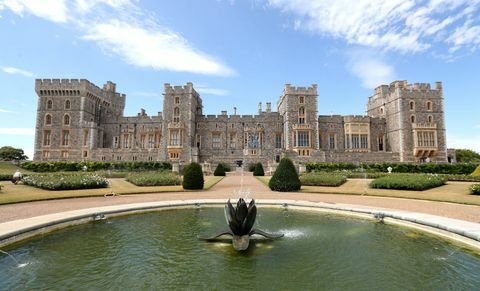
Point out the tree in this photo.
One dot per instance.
(193, 177)
(285, 178)
(467, 156)
(8, 153)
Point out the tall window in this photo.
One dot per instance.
(151, 141)
(412, 105)
(177, 100)
(66, 119)
(303, 139)
(49, 104)
(216, 141)
(67, 104)
(65, 138)
(126, 141)
(115, 141)
(426, 139)
(176, 114)
(278, 141)
(429, 105)
(48, 119)
(85, 138)
(142, 141)
(174, 138)
(331, 141)
(412, 118)
(301, 115)
(233, 140)
(46, 137)
(380, 143)
(430, 119)
(301, 99)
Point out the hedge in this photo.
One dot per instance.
(65, 181)
(417, 182)
(154, 179)
(221, 169)
(375, 175)
(464, 169)
(285, 178)
(94, 166)
(322, 179)
(193, 177)
(258, 171)
(475, 189)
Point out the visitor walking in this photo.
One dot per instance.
(17, 177)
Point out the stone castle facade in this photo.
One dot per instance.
(76, 120)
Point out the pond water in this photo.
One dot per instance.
(160, 250)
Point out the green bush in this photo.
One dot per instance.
(476, 173)
(258, 171)
(65, 181)
(322, 179)
(251, 167)
(285, 178)
(416, 182)
(193, 177)
(221, 169)
(455, 169)
(6, 177)
(95, 166)
(113, 174)
(154, 179)
(475, 189)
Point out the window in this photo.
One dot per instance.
(48, 119)
(177, 100)
(198, 140)
(412, 118)
(426, 139)
(65, 137)
(85, 154)
(301, 99)
(176, 114)
(64, 154)
(301, 115)
(151, 141)
(174, 138)
(331, 141)
(115, 141)
(49, 104)
(85, 138)
(364, 141)
(430, 119)
(46, 137)
(142, 141)
(233, 140)
(278, 141)
(303, 139)
(46, 154)
(380, 143)
(66, 119)
(412, 105)
(382, 110)
(126, 141)
(216, 141)
(429, 105)
(67, 104)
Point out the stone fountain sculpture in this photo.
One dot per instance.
(240, 220)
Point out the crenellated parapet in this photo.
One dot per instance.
(289, 89)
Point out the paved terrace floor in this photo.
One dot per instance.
(227, 189)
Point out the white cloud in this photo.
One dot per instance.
(370, 69)
(13, 71)
(212, 91)
(160, 49)
(401, 25)
(6, 111)
(122, 28)
(464, 142)
(53, 10)
(17, 131)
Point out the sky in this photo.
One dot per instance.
(238, 53)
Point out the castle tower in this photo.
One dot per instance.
(298, 107)
(415, 120)
(181, 105)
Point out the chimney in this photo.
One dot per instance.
(224, 112)
(259, 107)
(234, 110)
(269, 107)
(438, 85)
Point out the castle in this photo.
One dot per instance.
(76, 120)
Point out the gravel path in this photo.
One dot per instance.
(227, 189)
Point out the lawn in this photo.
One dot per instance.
(11, 193)
(7, 169)
(455, 192)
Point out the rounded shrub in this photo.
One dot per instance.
(251, 167)
(258, 171)
(193, 177)
(220, 170)
(285, 178)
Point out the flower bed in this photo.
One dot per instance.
(417, 182)
(475, 189)
(64, 181)
(154, 179)
(322, 179)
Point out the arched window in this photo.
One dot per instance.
(430, 119)
(176, 114)
(429, 105)
(67, 104)
(381, 110)
(301, 115)
(66, 119)
(48, 119)
(412, 105)
(49, 104)
(412, 118)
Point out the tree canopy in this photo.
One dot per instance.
(8, 153)
(467, 156)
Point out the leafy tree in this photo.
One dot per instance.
(467, 156)
(258, 171)
(193, 177)
(8, 153)
(285, 178)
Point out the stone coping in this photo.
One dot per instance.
(463, 232)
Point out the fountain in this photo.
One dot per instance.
(19, 265)
(240, 220)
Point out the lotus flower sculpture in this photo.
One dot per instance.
(240, 220)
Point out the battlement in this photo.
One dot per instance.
(383, 90)
(187, 88)
(289, 89)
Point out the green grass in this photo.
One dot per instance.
(476, 173)
(7, 169)
(154, 179)
(417, 182)
(323, 179)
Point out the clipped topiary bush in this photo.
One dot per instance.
(475, 189)
(285, 178)
(251, 167)
(193, 177)
(258, 171)
(417, 182)
(476, 173)
(323, 179)
(221, 169)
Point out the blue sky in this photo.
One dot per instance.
(239, 53)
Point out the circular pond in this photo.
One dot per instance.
(160, 250)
